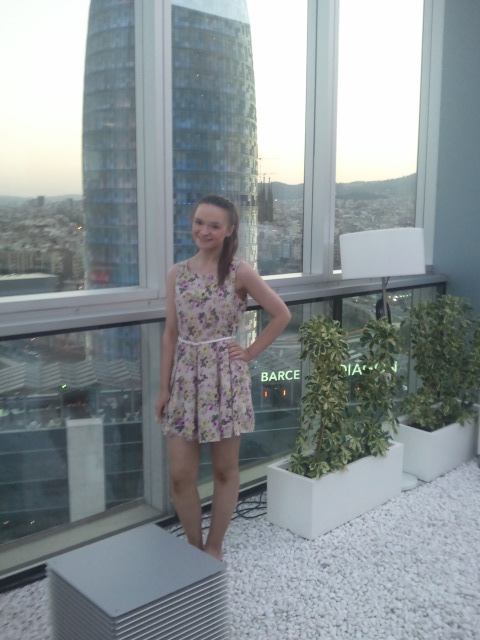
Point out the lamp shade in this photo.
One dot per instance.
(382, 253)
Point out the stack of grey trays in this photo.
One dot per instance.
(141, 584)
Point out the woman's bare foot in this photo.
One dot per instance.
(212, 551)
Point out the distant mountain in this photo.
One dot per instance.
(400, 187)
(282, 191)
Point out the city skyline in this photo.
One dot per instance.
(47, 159)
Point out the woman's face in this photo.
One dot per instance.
(210, 227)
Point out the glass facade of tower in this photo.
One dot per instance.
(214, 116)
(214, 129)
(109, 161)
(109, 146)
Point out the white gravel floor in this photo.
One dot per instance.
(407, 570)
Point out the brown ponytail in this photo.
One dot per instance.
(230, 244)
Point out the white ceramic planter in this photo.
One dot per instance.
(429, 454)
(311, 507)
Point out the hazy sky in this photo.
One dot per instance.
(279, 52)
(42, 51)
(378, 88)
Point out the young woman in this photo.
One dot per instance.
(205, 383)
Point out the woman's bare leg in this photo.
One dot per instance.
(184, 463)
(226, 482)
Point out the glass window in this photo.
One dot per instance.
(68, 216)
(358, 310)
(379, 65)
(67, 414)
(72, 408)
(276, 391)
(239, 122)
(68, 171)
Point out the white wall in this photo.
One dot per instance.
(457, 221)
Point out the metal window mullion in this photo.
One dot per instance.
(154, 130)
(429, 124)
(154, 127)
(320, 148)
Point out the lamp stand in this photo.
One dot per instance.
(381, 308)
(384, 297)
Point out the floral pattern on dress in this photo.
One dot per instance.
(210, 395)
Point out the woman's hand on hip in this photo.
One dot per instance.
(237, 352)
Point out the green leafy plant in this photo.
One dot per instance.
(445, 347)
(378, 387)
(332, 432)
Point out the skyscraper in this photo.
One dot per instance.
(110, 163)
(214, 129)
(109, 146)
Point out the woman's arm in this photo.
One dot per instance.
(169, 343)
(250, 283)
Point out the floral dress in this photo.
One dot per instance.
(210, 395)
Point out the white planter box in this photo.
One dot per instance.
(311, 507)
(429, 454)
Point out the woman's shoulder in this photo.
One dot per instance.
(174, 270)
(245, 278)
(178, 266)
(242, 268)
(239, 265)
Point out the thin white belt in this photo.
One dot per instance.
(205, 341)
